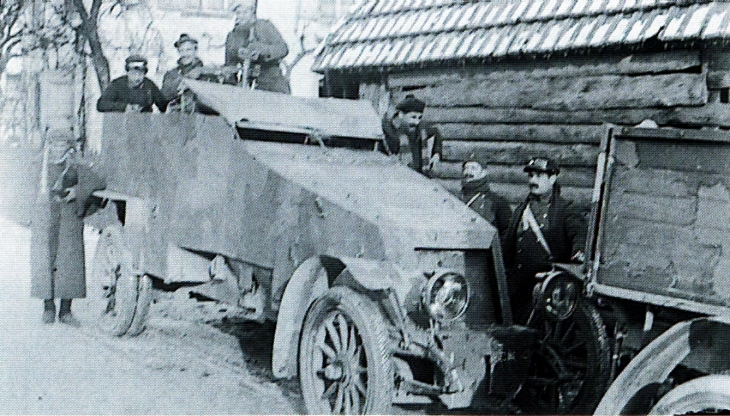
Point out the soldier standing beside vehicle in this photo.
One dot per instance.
(544, 229)
(258, 48)
(57, 230)
(477, 195)
(133, 92)
(411, 138)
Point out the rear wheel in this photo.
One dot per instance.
(126, 294)
(571, 370)
(345, 356)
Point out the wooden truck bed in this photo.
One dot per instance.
(663, 229)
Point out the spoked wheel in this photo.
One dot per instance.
(570, 372)
(126, 295)
(706, 395)
(345, 356)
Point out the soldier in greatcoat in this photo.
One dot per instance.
(477, 195)
(256, 44)
(57, 229)
(544, 229)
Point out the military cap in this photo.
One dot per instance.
(542, 164)
(411, 104)
(138, 62)
(184, 37)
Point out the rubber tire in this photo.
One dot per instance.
(109, 264)
(144, 299)
(708, 393)
(597, 360)
(373, 331)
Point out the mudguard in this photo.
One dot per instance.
(310, 280)
(652, 365)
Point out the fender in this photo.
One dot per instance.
(309, 281)
(654, 363)
(136, 219)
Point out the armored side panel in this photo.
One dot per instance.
(665, 222)
(272, 204)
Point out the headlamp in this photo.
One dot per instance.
(446, 296)
(557, 295)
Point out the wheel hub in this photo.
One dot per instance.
(335, 371)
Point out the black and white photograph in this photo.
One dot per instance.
(364, 207)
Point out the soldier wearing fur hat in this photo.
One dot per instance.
(256, 44)
(415, 141)
(544, 229)
(133, 92)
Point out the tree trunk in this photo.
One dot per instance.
(89, 31)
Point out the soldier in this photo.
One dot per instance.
(544, 229)
(133, 92)
(57, 230)
(406, 135)
(258, 48)
(188, 66)
(477, 195)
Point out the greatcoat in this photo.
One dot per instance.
(263, 36)
(57, 236)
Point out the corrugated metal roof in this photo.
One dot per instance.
(401, 32)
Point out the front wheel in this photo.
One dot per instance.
(345, 356)
(703, 395)
(571, 370)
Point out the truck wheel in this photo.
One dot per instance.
(144, 299)
(112, 271)
(703, 395)
(345, 356)
(571, 370)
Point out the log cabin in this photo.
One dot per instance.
(506, 80)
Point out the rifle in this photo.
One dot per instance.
(247, 71)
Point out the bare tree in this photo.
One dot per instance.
(11, 30)
(89, 33)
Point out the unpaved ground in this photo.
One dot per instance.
(192, 359)
(178, 366)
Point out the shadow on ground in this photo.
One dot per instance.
(257, 341)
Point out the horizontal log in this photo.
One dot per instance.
(577, 177)
(515, 193)
(542, 133)
(505, 152)
(604, 64)
(571, 93)
(708, 115)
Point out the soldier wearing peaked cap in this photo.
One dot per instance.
(544, 229)
(415, 141)
(133, 92)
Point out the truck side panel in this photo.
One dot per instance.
(666, 229)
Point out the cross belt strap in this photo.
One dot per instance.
(474, 198)
(529, 218)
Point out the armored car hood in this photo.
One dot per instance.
(402, 203)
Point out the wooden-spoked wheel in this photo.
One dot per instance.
(126, 294)
(345, 356)
(570, 372)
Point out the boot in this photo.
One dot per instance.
(65, 316)
(49, 311)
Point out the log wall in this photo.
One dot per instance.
(507, 112)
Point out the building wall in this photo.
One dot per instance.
(507, 112)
